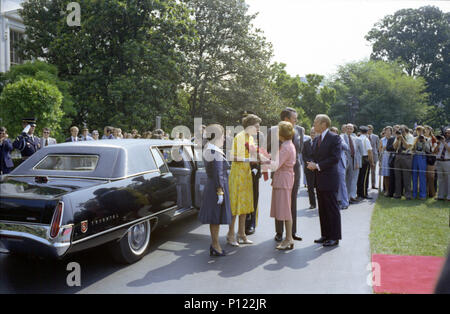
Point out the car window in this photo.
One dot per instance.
(171, 156)
(68, 163)
(159, 161)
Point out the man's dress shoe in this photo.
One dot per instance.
(321, 240)
(331, 243)
(296, 237)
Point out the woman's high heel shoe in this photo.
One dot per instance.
(243, 240)
(286, 246)
(214, 252)
(232, 242)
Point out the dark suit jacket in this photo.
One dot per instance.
(5, 154)
(307, 153)
(327, 156)
(69, 139)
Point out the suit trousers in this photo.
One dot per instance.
(329, 215)
(363, 178)
(279, 225)
(443, 175)
(311, 183)
(403, 168)
(373, 172)
(342, 194)
(250, 221)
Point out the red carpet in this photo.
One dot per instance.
(407, 274)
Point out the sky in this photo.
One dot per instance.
(316, 36)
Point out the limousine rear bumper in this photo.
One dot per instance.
(34, 239)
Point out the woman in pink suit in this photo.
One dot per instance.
(283, 181)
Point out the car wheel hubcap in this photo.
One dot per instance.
(138, 237)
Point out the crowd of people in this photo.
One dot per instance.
(338, 168)
(27, 143)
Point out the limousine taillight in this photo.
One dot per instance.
(56, 221)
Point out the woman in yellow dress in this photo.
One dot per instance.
(240, 181)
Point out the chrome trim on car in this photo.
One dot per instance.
(88, 178)
(149, 217)
(39, 233)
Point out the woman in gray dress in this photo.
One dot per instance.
(215, 209)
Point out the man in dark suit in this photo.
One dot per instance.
(74, 135)
(289, 115)
(307, 155)
(327, 154)
(27, 142)
(6, 163)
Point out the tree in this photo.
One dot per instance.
(228, 64)
(419, 39)
(377, 93)
(47, 73)
(125, 61)
(314, 98)
(29, 97)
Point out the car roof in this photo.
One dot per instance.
(117, 158)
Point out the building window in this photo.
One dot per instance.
(14, 38)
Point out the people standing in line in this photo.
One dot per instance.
(95, 135)
(403, 163)
(73, 135)
(392, 156)
(343, 200)
(375, 143)
(85, 135)
(443, 165)
(289, 115)
(384, 156)
(367, 162)
(240, 183)
(46, 139)
(215, 209)
(327, 153)
(431, 161)
(283, 183)
(6, 163)
(308, 156)
(27, 143)
(419, 164)
(108, 133)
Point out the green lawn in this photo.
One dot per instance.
(402, 227)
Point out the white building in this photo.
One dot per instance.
(11, 30)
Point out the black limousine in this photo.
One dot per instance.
(73, 196)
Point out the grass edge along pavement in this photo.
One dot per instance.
(410, 227)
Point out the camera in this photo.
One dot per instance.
(421, 138)
(398, 132)
(439, 137)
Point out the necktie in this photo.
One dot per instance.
(46, 142)
(319, 141)
(352, 148)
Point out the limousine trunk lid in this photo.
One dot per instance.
(22, 199)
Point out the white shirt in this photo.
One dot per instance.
(323, 135)
(442, 147)
(74, 139)
(366, 144)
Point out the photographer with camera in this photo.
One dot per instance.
(419, 164)
(403, 144)
(443, 165)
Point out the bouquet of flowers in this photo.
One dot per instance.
(262, 152)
